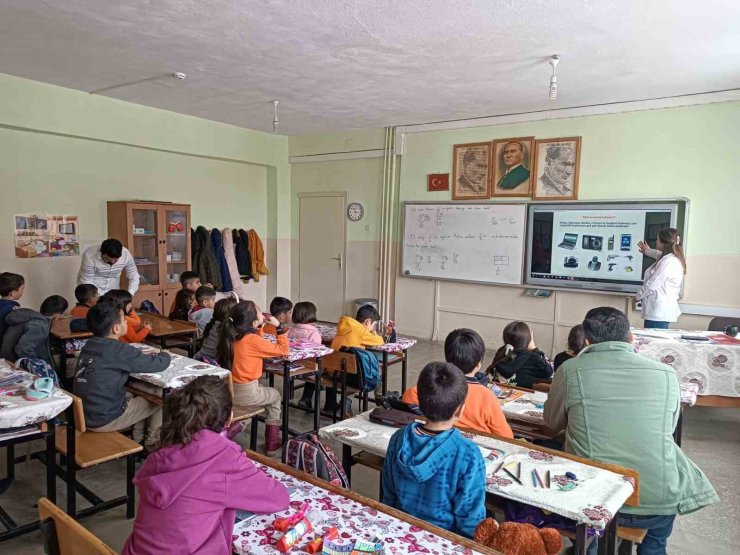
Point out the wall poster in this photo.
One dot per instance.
(47, 235)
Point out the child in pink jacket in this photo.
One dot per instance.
(304, 316)
(192, 486)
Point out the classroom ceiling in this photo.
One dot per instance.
(341, 64)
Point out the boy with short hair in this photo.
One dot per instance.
(87, 296)
(282, 309)
(11, 290)
(464, 348)
(27, 334)
(202, 312)
(102, 372)
(431, 471)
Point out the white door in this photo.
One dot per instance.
(322, 257)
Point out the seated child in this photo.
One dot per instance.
(202, 312)
(184, 301)
(304, 318)
(102, 372)
(576, 343)
(86, 295)
(242, 349)
(136, 332)
(192, 486)
(431, 471)
(519, 361)
(465, 349)
(27, 333)
(11, 290)
(189, 280)
(356, 332)
(281, 309)
(209, 350)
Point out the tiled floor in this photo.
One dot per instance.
(711, 439)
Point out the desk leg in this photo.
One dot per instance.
(404, 370)
(580, 544)
(286, 387)
(347, 461)
(10, 459)
(317, 395)
(71, 465)
(608, 544)
(384, 377)
(51, 461)
(66, 382)
(679, 427)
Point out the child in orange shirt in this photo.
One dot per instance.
(137, 331)
(465, 349)
(86, 295)
(242, 349)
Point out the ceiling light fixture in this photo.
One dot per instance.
(554, 61)
(275, 122)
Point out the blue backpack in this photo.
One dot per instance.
(368, 368)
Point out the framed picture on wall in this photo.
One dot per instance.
(471, 171)
(556, 166)
(512, 167)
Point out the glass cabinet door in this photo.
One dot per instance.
(145, 244)
(177, 229)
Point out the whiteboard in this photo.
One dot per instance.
(464, 241)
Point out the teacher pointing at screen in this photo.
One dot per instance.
(102, 266)
(663, 280)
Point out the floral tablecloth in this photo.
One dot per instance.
(714, 367)
(16, 411)
(329, 332)
(353, 520)
(302, 350)
(182, 370)
(595, 497)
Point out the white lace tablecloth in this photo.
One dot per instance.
(353, 520)
(329, 332)
(182, 370)
(714, 367)
(16, 411)
(598, 494)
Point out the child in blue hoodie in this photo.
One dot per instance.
(431, 471)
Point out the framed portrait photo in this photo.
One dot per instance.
(471, 171)
(512, 167)
(556, 166)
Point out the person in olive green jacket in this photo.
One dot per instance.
(619, 407)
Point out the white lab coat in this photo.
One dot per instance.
(661, 288)
(104, 276)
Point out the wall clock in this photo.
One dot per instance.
(355, 212)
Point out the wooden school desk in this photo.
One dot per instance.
(602, 489)
(163, 329)
(60, 336)
(351, 513)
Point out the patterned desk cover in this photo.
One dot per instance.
(598, 496)
(301, 350)
(714, 367)
(353, 519)
(16, 411)
(329, 332)
(182, 370)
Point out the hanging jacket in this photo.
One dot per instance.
(189, 495)
(257, 254)
(218, 251)
(204, 261)
(241, 250)
(233, 268)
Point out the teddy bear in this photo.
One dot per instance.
(515, 538)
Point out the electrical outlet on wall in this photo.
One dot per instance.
(367, 227)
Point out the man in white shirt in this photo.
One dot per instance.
(102, 267)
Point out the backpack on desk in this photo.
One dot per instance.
(307, 453)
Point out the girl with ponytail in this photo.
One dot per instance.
(242, 349)
(192, 486)
(519, 361)
(663, 280)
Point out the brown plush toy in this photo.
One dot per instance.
(515, 538)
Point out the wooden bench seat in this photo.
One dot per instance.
(634, 535)
(96, 447)
(245, 412)
(368, 459)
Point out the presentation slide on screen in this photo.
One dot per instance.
(598, 244)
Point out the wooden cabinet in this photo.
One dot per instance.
(158, 236)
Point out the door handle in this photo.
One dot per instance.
(339, 258)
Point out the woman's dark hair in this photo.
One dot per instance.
(518, 335)
(9, 282)
(53, 305)
(304, 313)
(576, 339)
(442, 389)
(203, 404)
(220, 313)
(112, 248)
(183, 302)
(236, 325)
(120, 298)
(672, 244)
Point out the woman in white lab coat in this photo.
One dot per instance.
(663, 280)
